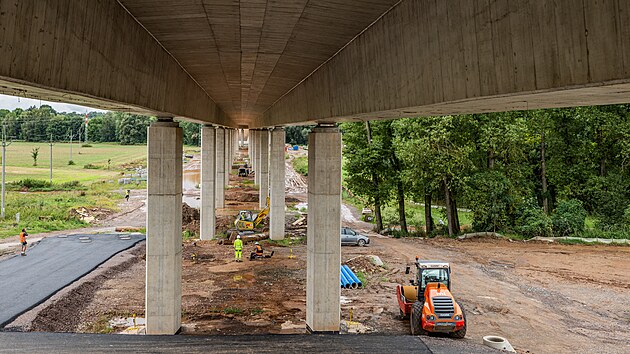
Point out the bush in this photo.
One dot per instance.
(568, 218)
(532, 221)
(38, 185)
(490, 201)
(300, 164)
(90, 166)
(71, 162)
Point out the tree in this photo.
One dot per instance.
(34, 154)
(297, 135)
(365, 169)
(132, 129)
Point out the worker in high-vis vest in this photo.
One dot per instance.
(238, 249)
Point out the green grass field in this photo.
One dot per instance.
(50, 211)
(19, 164)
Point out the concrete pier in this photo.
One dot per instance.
(228, 156)
(263, 184)
(164, 228)
(208, 188)
(276, 185)
(220, 168)
(324, 225)
(257, 152)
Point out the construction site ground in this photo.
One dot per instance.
(542, 297)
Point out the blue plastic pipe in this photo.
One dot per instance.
(346, 282)
(347, 272)
(354, 277)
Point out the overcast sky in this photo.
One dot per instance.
(13, 102)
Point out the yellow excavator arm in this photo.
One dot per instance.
(262, 215)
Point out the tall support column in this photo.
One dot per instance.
(257, 157)
(208, 188)
(163, 297)
(220, 176)
(250, 150)
(263, 191)
(227, 161)
(276, 185)
(324, 224)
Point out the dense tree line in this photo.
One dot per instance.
(44, 124)
(527, 172)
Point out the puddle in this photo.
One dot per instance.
(191, 179)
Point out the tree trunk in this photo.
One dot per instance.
(543, 172)
(455, 213)
(449, 209)
(377, 215)
(602, 167)
(375, 183)
(491, 159)
(401, 207)
(428, 218)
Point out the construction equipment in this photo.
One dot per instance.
(247, 221)
(243, 171)
(428, 302)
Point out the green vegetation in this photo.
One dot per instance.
(362, 277)
(555, 172)
(188, 235)
(300, 164)
(232, 311)
(256, 311)
(19, 168)
(101, 325)
(288, 241)
(51, 211)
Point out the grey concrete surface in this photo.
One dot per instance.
(208, 188)
(50, 265)
(90, 343)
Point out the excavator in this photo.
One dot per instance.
(247, 221)
(428, 302)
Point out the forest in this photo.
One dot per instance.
(554, 172)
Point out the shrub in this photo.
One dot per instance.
(532, 221)
(71, 162)
(90, 166)
(568, 218)
(300, 164)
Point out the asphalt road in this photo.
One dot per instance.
(50, 265)
(40, 342)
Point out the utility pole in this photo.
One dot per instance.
(51, 144)
(86, 128)
(4, 147)
(71, 132)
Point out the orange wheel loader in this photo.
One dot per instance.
(428, 302)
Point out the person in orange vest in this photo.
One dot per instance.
(258, 252)
(23, 235)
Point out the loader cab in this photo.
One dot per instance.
(431, 272)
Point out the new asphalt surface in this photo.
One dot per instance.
(40, 342)
(52, 264)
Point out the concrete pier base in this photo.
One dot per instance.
(164, 228)
(276, 185)
(324, 225)
(220, 168)
(208, 188)
(263, 191)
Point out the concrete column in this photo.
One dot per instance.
(241, 137)
(263, 191)
(324, 224)
(227, 161)
(276, 185)
(257, 157)
(163, 298)
(220, 168)
(208, 187)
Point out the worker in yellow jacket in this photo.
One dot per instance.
(238, 249)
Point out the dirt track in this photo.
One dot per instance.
(543, 298)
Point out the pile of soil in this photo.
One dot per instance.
(190, 219)
(363, 264)
(90, 214)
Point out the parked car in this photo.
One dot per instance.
(351, 237)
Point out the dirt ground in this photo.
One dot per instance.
(542, 297)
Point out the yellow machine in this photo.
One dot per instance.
(248, 220)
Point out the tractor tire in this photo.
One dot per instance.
(415, 319)
(462, 332)
(361, 243)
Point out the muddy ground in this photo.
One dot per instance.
(542, 297)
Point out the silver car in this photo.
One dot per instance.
(351, 237)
